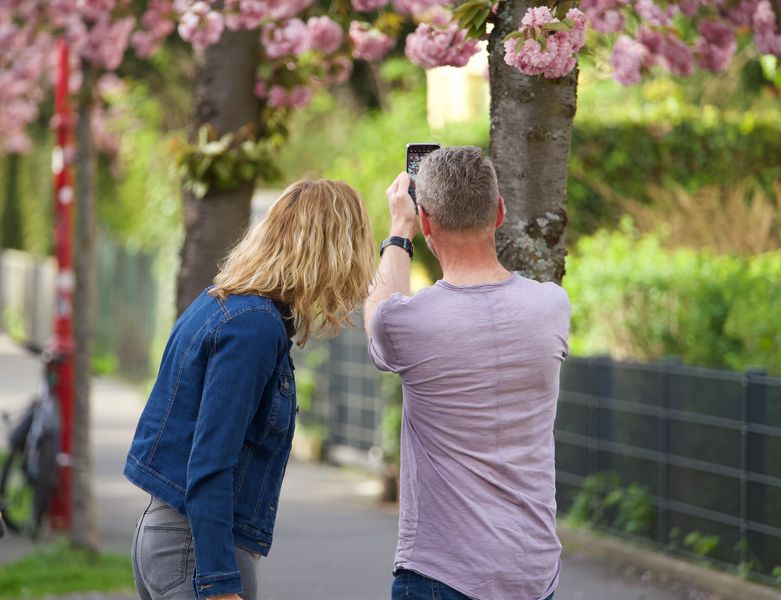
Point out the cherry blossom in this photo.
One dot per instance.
(369, 43)
(107, 41)
(289, 38)
(766, 34)
(716, 46)
(431, 46)
(245, 14)
(654, 14)
(368, 5)
(158, 23)
(418, 7)
(557, 58)
(200, 25)
(628, 59)
(325, 34)
(297, 97)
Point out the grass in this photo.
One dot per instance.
(59, 569)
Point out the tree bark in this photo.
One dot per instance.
(531, 127)
(224, 98)
(83, 530)
(11, 233)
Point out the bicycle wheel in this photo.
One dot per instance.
(16, 492)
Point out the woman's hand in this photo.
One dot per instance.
(226, 597)
(404, 220)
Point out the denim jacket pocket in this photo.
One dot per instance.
(282, 409)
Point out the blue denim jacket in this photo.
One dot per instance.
(215, 435)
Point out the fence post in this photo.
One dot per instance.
(662, 510)
(604, 416)
(752, 458)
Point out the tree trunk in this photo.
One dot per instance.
(531, 126)
(224, 98)
(83, 531)
(11, 234)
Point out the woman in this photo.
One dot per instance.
(214, 438)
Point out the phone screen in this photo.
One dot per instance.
(415, 154)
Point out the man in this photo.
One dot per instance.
(479, 354)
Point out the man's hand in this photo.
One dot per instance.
(226, 597)
(404, 220)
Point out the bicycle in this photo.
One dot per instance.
(28, 477)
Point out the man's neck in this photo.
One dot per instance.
(470, 261)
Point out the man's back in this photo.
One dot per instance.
(480, 367)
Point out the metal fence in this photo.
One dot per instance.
(127, 302)
(348, 400)
(705, 444)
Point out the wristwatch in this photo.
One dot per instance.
(395, 240)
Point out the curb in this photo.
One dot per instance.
(675, 567)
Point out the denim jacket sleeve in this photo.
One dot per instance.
(243, 353)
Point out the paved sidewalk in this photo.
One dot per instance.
(333, 540)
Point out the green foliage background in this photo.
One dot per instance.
(634, 298)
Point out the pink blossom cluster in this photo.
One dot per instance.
(766, 35)
(325, 34)
(431, 46)
(94, 10)
(740, 13)
(557, 58)
(628, 59)
(158, 23)
(604, 15)
(368, 5)
(716, 45)
(106, 44)
(285, 9)
(22, 66)
(418, 7)
(654, 14)
(200, 25)
(631, 58)
(369, 43)
(280, 97)
(250, 14)
(288, 38)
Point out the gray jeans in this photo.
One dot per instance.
(164, 561)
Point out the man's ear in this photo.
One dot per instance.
(425, 221)
(500, 213)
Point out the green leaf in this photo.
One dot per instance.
(512, 36)
(558, 26)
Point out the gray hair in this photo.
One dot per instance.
(457, 186)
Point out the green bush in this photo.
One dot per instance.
(602, 501)
(614, 161)
(634, 298)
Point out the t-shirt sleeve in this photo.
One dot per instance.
(381, 350)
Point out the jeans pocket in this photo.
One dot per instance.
(163, 556)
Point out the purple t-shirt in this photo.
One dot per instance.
(480, 371)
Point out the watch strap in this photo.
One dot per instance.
(396, 240)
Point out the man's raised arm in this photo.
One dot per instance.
(393, 274)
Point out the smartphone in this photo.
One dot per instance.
(416, 153)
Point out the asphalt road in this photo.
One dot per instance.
(333, 540)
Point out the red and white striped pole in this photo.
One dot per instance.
(63, 346)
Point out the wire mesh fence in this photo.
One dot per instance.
(704, 444)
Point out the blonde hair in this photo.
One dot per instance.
(314, 251)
